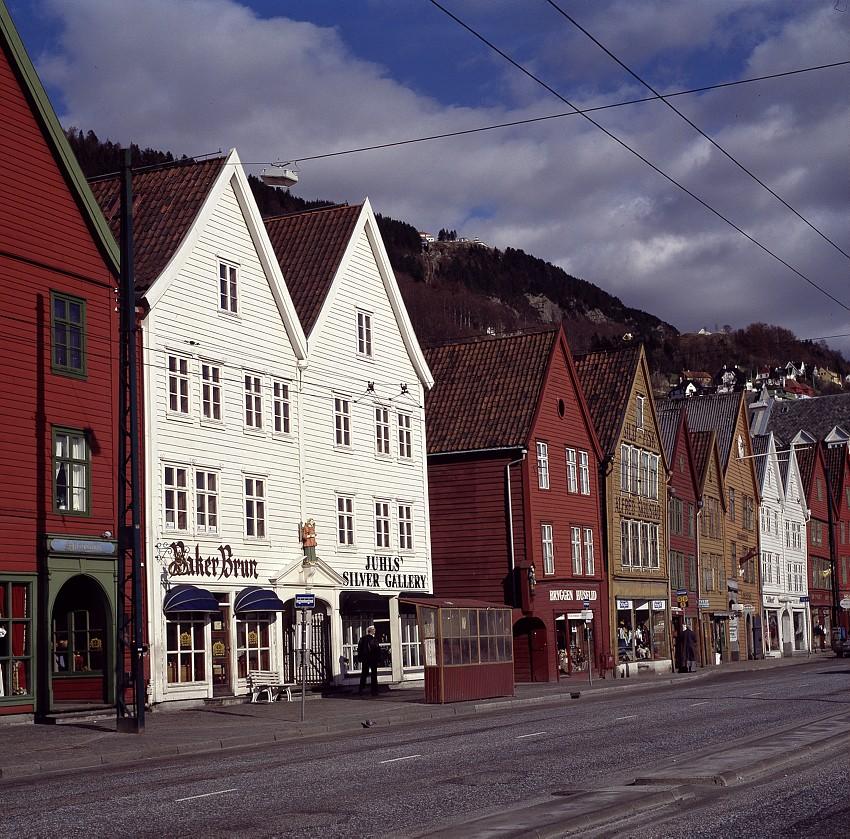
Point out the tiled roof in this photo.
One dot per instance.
(783, 456)
(486, 391)
(607, 379)
(702, 442)
(717, 411)
(166, 203)
(668, 424)
(806, 462)
(835, 457)
(760, 448)
(309, 247)
(818, 416)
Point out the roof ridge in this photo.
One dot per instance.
(503, 336)
(183, 162)
(344, 205)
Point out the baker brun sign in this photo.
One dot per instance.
(221, 567)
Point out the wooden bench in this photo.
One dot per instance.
(270, 683)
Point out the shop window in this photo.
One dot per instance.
(78, 639)
(185, 648)
(253, 650)
(410, 651)
(354, 628)
(15, 639)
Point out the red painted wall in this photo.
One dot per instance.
(820, 588)
(682, 481)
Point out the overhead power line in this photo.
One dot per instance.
(696, 128)
(638, 155)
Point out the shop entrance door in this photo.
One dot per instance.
(221, 671)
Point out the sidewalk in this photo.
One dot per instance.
(29, 749)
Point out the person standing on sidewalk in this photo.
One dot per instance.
(369, 653)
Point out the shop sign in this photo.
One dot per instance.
(659, 605)
(637, 508)
(571, 594)
(733, 630)
(385, 572)
(86, 547)
(624, 604)
(845, 603)
(770, 600)
(221, 567)
(703, 603)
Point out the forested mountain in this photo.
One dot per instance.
(455, 289)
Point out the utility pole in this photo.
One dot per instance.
(130, 647)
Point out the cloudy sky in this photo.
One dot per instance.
(291, 80)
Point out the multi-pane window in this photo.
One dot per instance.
(253, 401)
(410, 646)
(589, 559)
(405, 527)
(676, 561)
(70, 472)
(176, 498)
(345, 520)
(253, 648)
(625, 470)
(548, 548)
(640, 405)
(78, 639)
(255, 508)
(227, 301)
(638, 471)
(211, 391)
(639, 544)
(69, 334)
(382, 430)
(16, 639)
(749, 512)
(281, 407)
(206, 501)
(575, 543)
(731, 509)
(178, 385)
(674, 514)
(572, 471)
(184, 648)
(364, 334)
(691, 523)
(405, 440)
(583, 473)
(542, 465)
(382, 524)
(342, 421)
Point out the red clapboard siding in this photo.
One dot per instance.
(78, 689)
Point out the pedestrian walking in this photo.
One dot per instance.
(369, 653)
(685, 649)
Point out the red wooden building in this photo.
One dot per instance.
(513, 465)
(837, 459)
(58, 269)
(813, 473)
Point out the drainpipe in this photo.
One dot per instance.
(508, 501)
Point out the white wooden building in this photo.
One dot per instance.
(785, 619)
(364, 479)
(221, 352)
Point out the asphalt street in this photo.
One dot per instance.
(409, 780)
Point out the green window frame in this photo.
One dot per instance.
(71, 460)
(68, 334)
(17, 676)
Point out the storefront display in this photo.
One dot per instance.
(642, 630)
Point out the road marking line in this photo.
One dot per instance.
(757, 693)
(206, 794)
(536, 734)
(704, 702)
(629, 717)
(396, 759)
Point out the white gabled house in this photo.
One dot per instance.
(221, 349)
(364, 480)
(783, 550)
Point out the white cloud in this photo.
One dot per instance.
(195, 75)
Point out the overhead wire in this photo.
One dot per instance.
(661, 97)
(637, 154)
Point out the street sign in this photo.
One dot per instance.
(804, 598)
(585, 604)
(845, 603)
(703, 603)
(587, 615)
(305, 601)
(680, 592)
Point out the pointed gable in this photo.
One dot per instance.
(761, 447)
(835, 458)
(486, 391)
(718, 412)
(607, 379)
(166, 203)
(309, 247)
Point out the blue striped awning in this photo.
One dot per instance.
(256, 599)
(185, 598)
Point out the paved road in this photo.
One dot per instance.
(404, 781)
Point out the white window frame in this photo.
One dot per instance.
(625, 544)
(575, 542)
(345, 534)
(405, 436)
(206, 497)
(342, 422)
(583, 472)
(281, 408)
(405, 526)
(256, 512)
(542, 450)
(589, 556)
(364, 334)
(383, 446)
(383, 524)
(253, 401)
(547, 540)
(179, 393)
(211, 402)
(228, 287)
(172, 495)
(640, 411)
(572, 471)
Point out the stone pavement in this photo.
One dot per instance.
(28, 749)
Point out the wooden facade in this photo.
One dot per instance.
(818, 555)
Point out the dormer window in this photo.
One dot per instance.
(639, 411)
(364, 334)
